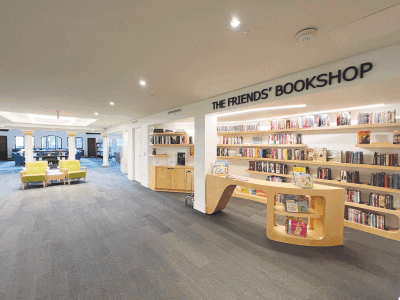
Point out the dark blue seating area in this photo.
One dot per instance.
(18, 158)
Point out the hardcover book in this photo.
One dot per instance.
(296, 226)
(319, 154)
(396, 137)
(364, 137)
(334, 156)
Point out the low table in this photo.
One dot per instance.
(55, 175)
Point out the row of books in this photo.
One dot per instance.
(376, 118)
(385, 159)
(296, 226)
(343, 118)
(382, 201)
(162, 130)
(166, 140)
(228, 140)
(351, 157)
(268, 167)
(353, 196)
(364, 218)
(288, 154)
(319, 120)
(254, 192)
(239, 128)
(324, 173)
(350, 176)
(385, 180)
(275, 179)
(284, 139)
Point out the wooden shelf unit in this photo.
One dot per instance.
(378, 145)
(170, 145)
(373, 208)
(270, 174)
(305, 162)
(158, 155)
(262, 146)
(313, 129)
(251, 197)
(169, 133)
(357, 185)
(390, 234)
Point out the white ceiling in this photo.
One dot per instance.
(77, 56)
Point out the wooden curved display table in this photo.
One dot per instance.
(325, 220)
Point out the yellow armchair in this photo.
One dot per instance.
(35, 172)
(72, 169)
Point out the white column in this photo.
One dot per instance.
(130, 153)
(28, 145)
(205, 153)
(71, 145)
(105, 150)
(124, 154)
(144, 133)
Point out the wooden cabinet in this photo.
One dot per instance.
(164, 178)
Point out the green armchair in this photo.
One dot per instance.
(72, 169)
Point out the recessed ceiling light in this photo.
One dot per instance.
(111, 103)
(2, 125)
(142, 83)
(96, 113)
(235, 22)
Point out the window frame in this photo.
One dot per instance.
(23, 141)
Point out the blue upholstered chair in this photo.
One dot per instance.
(78, 155)
(19, 159)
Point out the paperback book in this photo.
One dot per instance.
(296, 226)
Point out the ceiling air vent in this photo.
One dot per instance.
(175, 111)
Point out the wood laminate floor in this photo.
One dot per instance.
(111, 238)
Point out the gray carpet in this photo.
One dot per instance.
(110, 238)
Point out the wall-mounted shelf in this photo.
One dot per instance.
(262, 146)
(305, 162)
(169, 133)
(171, 145)
(373, 208)
(159, 155)
(390, 234)
(313, 129)
(270, 174)
(377, 145)
(357, 185)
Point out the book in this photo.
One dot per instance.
(309, 154)
(334, 156)
(396, 137)
(364, 137)
(319, 154)
(296, 203)
(296, 226)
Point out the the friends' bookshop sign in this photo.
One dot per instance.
(318, 81)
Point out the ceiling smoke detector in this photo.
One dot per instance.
(306, 35)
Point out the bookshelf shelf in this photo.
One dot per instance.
(357, 185)
(311, 234)
(390, 234)
(378, 145)
(159, 155)
(308, 162)
(314, 129)
(171, 145)
(169, 133)
(270, 174)
(262, 146)
(280, 210)
(372, 208)
(250, 197)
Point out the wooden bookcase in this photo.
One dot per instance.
(392, 234)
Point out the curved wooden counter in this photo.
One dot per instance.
(326, 217)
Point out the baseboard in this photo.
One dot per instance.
(145, 183)
(199, 206)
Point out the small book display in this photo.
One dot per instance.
(296, 226)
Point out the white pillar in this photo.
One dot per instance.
(124, 154)
(144, 137)
(71, 146)
(130, 153)
(205, 153)
(28, 145)
(105, 150)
